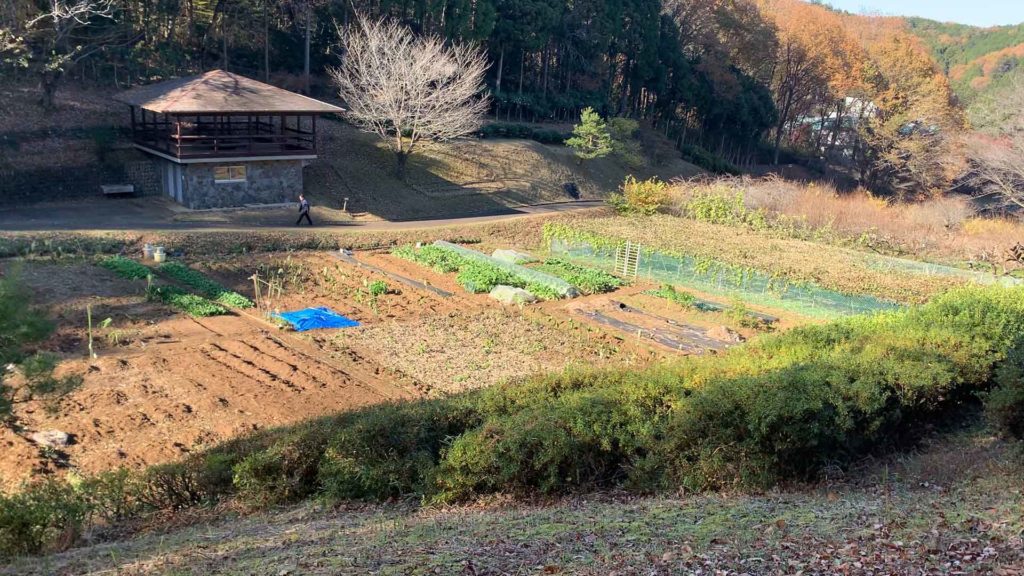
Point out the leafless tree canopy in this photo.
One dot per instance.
(53, 36)
(409, 90)
(996, 155)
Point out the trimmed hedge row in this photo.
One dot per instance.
(524, 131)
(782, 407)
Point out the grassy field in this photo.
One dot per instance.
(953, 507)
(467, 177)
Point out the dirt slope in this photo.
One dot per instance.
(467, 177)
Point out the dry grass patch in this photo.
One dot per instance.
(476, 348)
(944, 229)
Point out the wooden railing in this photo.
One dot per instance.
(230, 138)
(227, 145)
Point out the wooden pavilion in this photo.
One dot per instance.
(225, 140)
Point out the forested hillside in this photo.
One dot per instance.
(977, 60)
(751, 81)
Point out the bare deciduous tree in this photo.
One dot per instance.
(996, 153)
(409, 90)
(55, 43)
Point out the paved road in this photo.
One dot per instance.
(142, 214)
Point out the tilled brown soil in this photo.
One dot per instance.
(187, 385)
(164, 384)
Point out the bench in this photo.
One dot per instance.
(117, 189)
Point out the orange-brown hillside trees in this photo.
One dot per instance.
(908, 143)
(816, 65)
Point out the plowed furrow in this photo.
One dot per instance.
(283, 361)
(247, 368)
(351, 378)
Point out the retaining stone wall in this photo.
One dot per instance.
(267, 182)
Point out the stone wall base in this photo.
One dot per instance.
(266, 182)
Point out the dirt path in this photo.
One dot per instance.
(158, 214)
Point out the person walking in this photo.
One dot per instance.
(303, 211)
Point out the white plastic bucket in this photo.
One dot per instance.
(147, 252)
(158, 254)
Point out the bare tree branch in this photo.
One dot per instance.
(996, 155)
(411, 91)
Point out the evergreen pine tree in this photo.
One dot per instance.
(590, 138)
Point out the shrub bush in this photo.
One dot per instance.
(391, 451)
(625, 145)
(718, 206)
(45, 516)
(114, 496)
(1005, 404)
(580, 429)
(782, 407)
(284, 472)
(645, 197)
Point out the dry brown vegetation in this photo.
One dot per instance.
(947, 229)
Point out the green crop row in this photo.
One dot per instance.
(434, 257)
(191, 304)
(586, 280)
(473, 275)
(203, 285)
(126, 267)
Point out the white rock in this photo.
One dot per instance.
(51, 438)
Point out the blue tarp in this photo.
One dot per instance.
(315, 318)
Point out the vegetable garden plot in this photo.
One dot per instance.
(715, 278)
(526, 275)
